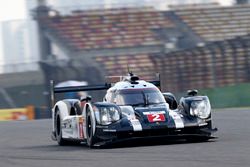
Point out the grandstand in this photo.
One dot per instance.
(123, 35)
(107, 29)
(214, 65)
(216, 23)
(140, 64)
(194, 46)
(112, 39)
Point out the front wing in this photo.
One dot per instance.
(115, 133)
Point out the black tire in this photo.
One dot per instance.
(91, 139)
(58, 130)
(171, 100)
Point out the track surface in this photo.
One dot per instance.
(28, 144)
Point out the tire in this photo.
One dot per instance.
(91, 139)
(58, 130)
(171, 100)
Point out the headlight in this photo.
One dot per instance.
(106, 115)
(202, 108)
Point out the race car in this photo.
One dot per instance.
(131, 109)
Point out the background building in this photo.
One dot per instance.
(66, 6)
(20, 46)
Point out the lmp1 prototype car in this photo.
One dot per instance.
(131, 109)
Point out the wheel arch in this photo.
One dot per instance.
(63, 108)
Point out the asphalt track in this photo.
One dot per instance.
(28, 144)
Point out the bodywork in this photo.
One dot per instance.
(115, 120)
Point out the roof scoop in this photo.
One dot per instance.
(132, 78)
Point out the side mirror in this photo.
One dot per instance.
(193, 92)
(86, 99)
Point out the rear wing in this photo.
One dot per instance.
(156, 83)
(54, 90)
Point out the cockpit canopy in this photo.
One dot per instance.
(136, 97)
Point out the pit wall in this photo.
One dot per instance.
(233, 96)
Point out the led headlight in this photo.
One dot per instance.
(107, 115)
(201, 108)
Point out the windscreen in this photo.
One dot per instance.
(139, 97)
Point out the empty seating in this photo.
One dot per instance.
(215, 65)
(224, 60)
(111, 28)
(217, 23)
(140, 64)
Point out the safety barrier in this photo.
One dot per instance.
(27, 113)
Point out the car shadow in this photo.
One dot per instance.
(124, 144)
(149, 143)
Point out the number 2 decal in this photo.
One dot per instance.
(156, 117)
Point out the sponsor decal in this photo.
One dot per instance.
(156, 117)
(81, 119)
(136, 125)
(203, 124)
(154, 112)
(109, 130)
(81, 136)
(177, 119)
(67, 124)
(80, 130)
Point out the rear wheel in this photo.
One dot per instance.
(58, 129)
(91, 139)
(58, 132)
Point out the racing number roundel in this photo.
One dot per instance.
(156, 117)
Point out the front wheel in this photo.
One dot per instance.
(91, 139)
